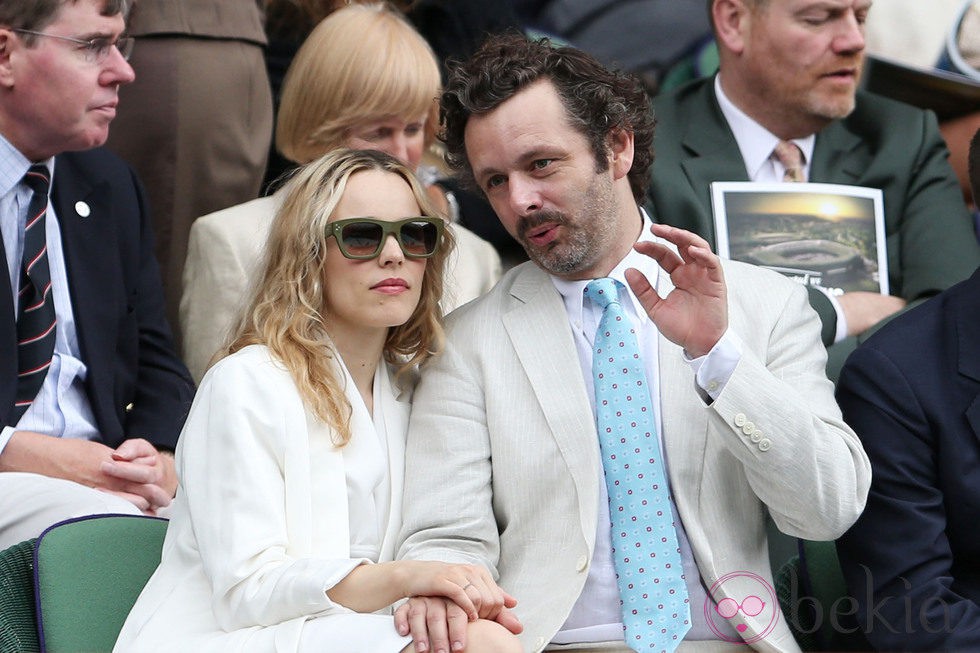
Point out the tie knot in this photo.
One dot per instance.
(791, 157)
(37, 179)
(603, 292)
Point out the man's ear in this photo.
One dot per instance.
(7, 44)
(731, 19)
(620, 148)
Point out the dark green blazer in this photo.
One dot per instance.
(883, 144)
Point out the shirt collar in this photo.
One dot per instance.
(573, 292)
(14, 165)
(755, 141)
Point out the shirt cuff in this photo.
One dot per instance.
(713, 370)
(5, 434)
(839, 310)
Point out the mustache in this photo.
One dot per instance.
(538, 218)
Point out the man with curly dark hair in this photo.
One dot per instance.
(541, 459)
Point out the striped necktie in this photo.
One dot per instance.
(35, 304)
(791, 157)
(646, 556)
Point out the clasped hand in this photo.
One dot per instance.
(134, 471)
(694, 314)
(444, 598)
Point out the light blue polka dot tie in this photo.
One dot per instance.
(653, 595)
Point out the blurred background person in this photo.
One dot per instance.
(789, 81)
(197, 122)
(910, 393)
(364, 78)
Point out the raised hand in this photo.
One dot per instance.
(694, 314)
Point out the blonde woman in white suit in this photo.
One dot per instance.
(290, 464)
(364, 78)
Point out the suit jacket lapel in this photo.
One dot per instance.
(967, 346)
(538, 328)
(396, 412)
(8, 344)
(839, 156)
(90, 269)
(713, 153)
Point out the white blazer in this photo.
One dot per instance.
(225, 248)
(504, 417)
(260, 526)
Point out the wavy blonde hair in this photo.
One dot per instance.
(363, 62)
(284, 312)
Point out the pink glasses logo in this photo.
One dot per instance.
(745, 597)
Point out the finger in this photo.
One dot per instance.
(456, 623)
(665, 257)
(438, 627)
(491, 596)
(643, 291)
(401, 619)
(681, 238)
(705, 258)
(135, 448)
(481, 595)
(458, 595)
(509, 620)
(417, 611)
(132, 472)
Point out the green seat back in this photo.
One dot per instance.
(18, 630)
(89, 573)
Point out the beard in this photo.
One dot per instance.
(585, 238)
(565, 255)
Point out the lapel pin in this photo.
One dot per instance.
(82, 209)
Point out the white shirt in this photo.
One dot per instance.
(61, 408)
(595, 617)
(368, 480)
(756, 144)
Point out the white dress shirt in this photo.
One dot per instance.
(756, 144)
(61, 408)
(596, 615)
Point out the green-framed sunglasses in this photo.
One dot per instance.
(364, 238)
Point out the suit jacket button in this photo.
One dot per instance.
(756, 435)
(129, 407)
(748, 428)
(582, 564)
(764, 444)
(740, 419)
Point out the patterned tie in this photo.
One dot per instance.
(653, 595)
(791, 158)
(35, 305)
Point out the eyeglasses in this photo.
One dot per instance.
(94, 50)
(364, 238)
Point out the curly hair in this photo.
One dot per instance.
(284, 312)
(598, 101)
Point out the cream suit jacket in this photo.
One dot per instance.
(503, 429)
(225, 247)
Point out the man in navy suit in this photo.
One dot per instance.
(912, 393)
(96, 431)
